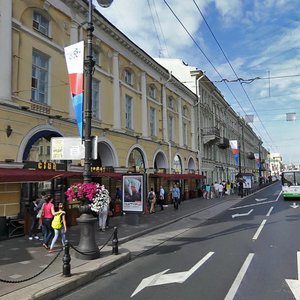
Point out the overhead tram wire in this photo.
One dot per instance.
(162, 33)
(199, 48)
(237, 77)
(153, 21)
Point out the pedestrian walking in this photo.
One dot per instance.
(47, 217)
(34, 220)
(59, 226)
(228, 188)
(175, 196)
(221, 190)
(161, 197)
(216, 188)
(207, 191)
(152, 200)
(103, 213)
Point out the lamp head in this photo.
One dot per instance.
(105, 3)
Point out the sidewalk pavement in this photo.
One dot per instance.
(21, 259)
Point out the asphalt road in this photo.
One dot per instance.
(246, 252)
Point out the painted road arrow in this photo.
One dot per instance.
(294, 284)
(242, 215)
(294, 205)
(262, 199)
(162, 278)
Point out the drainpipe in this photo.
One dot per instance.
(198, 123)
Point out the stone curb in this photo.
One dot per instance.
(56, 286)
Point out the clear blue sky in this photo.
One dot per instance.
(260, 38)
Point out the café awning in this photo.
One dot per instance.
(15, 175)
(167, 176)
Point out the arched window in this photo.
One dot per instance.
(136, 159)
(177, 166)
(40, 23)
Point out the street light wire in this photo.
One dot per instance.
(210, 62)
(233, 70)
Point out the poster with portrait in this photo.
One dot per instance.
(133, 193)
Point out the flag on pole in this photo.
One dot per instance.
(235, 151)
(256, 155)
(74, 55)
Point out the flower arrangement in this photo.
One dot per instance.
(93, 194)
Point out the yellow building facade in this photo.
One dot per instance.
(142, 115)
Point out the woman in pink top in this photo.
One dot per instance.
(48, 214)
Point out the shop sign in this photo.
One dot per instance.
(102, 169)
(44, 165)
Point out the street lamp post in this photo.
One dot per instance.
(87, 247)
(259, 158)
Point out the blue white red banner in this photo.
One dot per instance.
(235, 151)
(74, 55)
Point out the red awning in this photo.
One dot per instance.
(117, 176)
(177, 176)
(14, 175)
(26, 175)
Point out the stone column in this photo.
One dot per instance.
(6, 50)
(164, 114)
(180, 123)
(144, 106)
(116, 92)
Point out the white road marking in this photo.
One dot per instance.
(242, 215)
(262, 199)
(231, 293)
(259, 229)
(294, 205)
(255, 204)
(162, 278)
(294, 284)
(269, 212)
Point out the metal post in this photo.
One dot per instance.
(89, 63)
(259, 157)
(66, 260)
(115, 242)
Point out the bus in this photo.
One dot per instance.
(290, 184)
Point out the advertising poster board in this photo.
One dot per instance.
(247, 184)
(133, 193)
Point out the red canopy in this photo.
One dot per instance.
(177, 176)
(12, 175)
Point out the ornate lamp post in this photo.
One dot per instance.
(87, 244)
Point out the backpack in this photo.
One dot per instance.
(151, 196)
(57, 221)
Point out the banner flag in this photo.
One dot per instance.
(256, 155)
(235, 150)
(74, 55)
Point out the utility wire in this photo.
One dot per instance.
(199, 48)
(162, 33)
(233, 70)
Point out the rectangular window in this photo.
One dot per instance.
(40, 23)
(128, 77)
(170, 128)
(39, 77)
(152, 121)
(95, 98)
(128, 112)
(41, 150)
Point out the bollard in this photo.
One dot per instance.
(115, 242)
(66, 260)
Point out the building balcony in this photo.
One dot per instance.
(250, 155)
(223, 143)
(210, 135)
